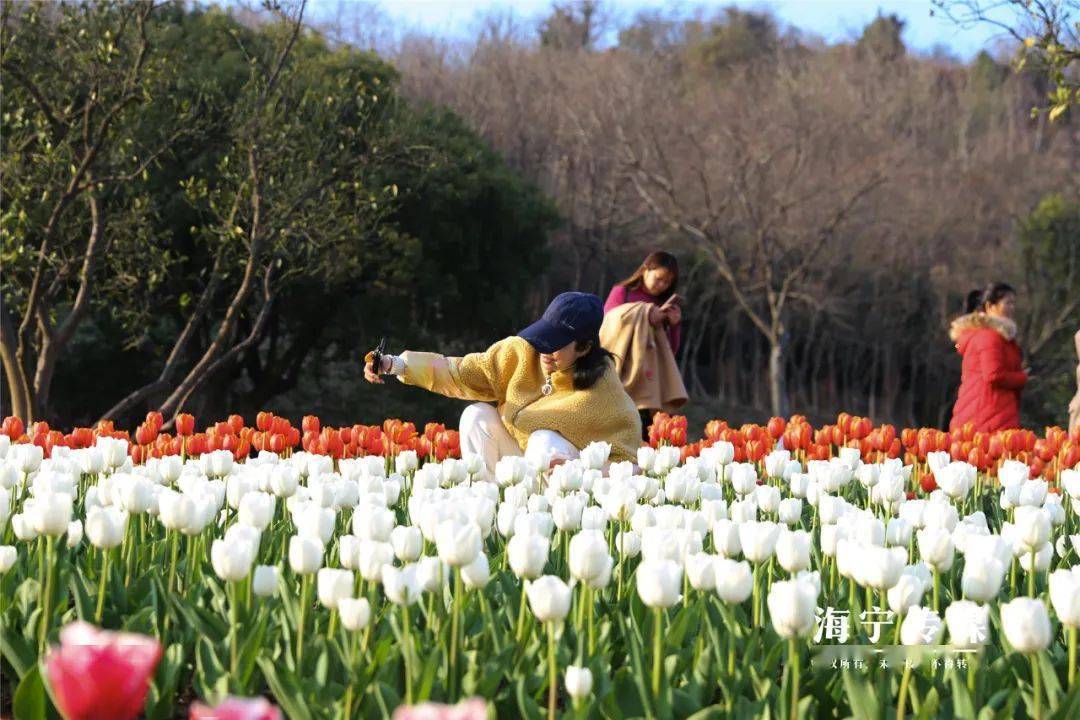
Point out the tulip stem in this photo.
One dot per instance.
(901, 700)
(1031, 575)
(793, 655)
(455, 631)
(234, 636)
(106, 553)
(553, 675)
(172, 561)
(1036, 679)
(47, 607)
(519, 633)
(407, 652)
(937, 591)
(300, 624)
(658, 617)
(1072, 655)
(352, 676)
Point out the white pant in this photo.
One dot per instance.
(483, 433)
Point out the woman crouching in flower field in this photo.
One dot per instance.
(554, 386)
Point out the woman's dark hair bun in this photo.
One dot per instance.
(973, 301)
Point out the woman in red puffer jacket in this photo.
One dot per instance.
(992, 372)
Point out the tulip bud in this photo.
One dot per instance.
(701, 571)
(589, 557)
(1065, 595)
(105, 526)
(74, 533)
(982, 577)
(579, 682)
(936, 547)
(175, 510)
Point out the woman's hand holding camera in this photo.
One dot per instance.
(386, 363)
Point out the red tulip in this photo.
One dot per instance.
(154, 419)
(13, 427)
(236, 709)
(185, 424)
(263, 420)
(310, 423)
(100, 674)
(776, 427)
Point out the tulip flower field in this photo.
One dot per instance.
(311, 572)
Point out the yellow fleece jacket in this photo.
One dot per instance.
(509, 374)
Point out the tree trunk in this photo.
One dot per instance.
(777, 380)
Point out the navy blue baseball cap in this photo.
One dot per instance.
(570, 316)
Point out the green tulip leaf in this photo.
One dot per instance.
(29, 701)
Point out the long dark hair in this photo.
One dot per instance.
(656, 259)
(993, 293)
(590, 367)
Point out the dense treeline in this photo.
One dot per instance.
(220, 211)
(831, 203)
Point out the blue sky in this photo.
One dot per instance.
(835, 20)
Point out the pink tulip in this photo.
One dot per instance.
(472, 709)
(97, 674)
(236, 709)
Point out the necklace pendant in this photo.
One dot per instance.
(547, 388)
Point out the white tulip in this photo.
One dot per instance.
(355, 612)
(700, 571)
(74, 533)
(936, 547)
(407, 542)
(793, 550)
(758, 540)
(264, 581)
(1065, 595)
(8, 556)
(527, 555)
(305, 554)
(905, 594)
(333, 584)
(476, 574)
(734, 581)
(402, 587)
(790, 511)
(231, 560)
(579, 682)
(659, 583)
(791, 607)
(51, 513)
(921, 626)
(105, 526)
(1026, 623)
(968, 623)
(175, 510)
(588, 556)
(549, 598)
